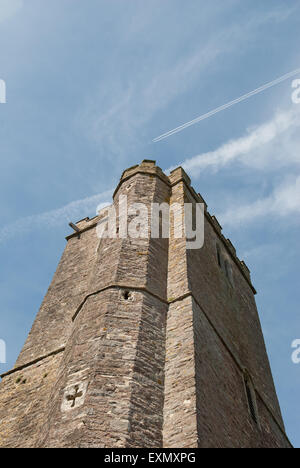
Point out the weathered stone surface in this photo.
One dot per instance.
(143, 343)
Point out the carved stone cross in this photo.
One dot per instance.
(74, 397)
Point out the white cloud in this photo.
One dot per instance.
(271, 147)
(51, 219)
(9, 8)
(283, 202)
(255, 139)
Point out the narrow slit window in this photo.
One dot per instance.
(228, 272)
(219, 256)
(251, 399)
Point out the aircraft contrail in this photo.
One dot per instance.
(226, 106)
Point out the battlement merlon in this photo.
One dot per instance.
(149, 167)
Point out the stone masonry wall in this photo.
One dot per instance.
(143, 343)
(180, 418)
(114, 336)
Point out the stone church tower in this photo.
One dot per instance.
(143, 343)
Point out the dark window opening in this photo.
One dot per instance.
(225, 265)
(219, 257)
(251, 400)
(126, 295)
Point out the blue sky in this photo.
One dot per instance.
(91, 84)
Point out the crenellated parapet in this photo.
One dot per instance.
(178, 175)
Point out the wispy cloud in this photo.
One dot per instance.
(116, 118)
(236, 150)
(9, 8)
(272, 147)
(58, 217)
(127, 109)
(283, 202)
